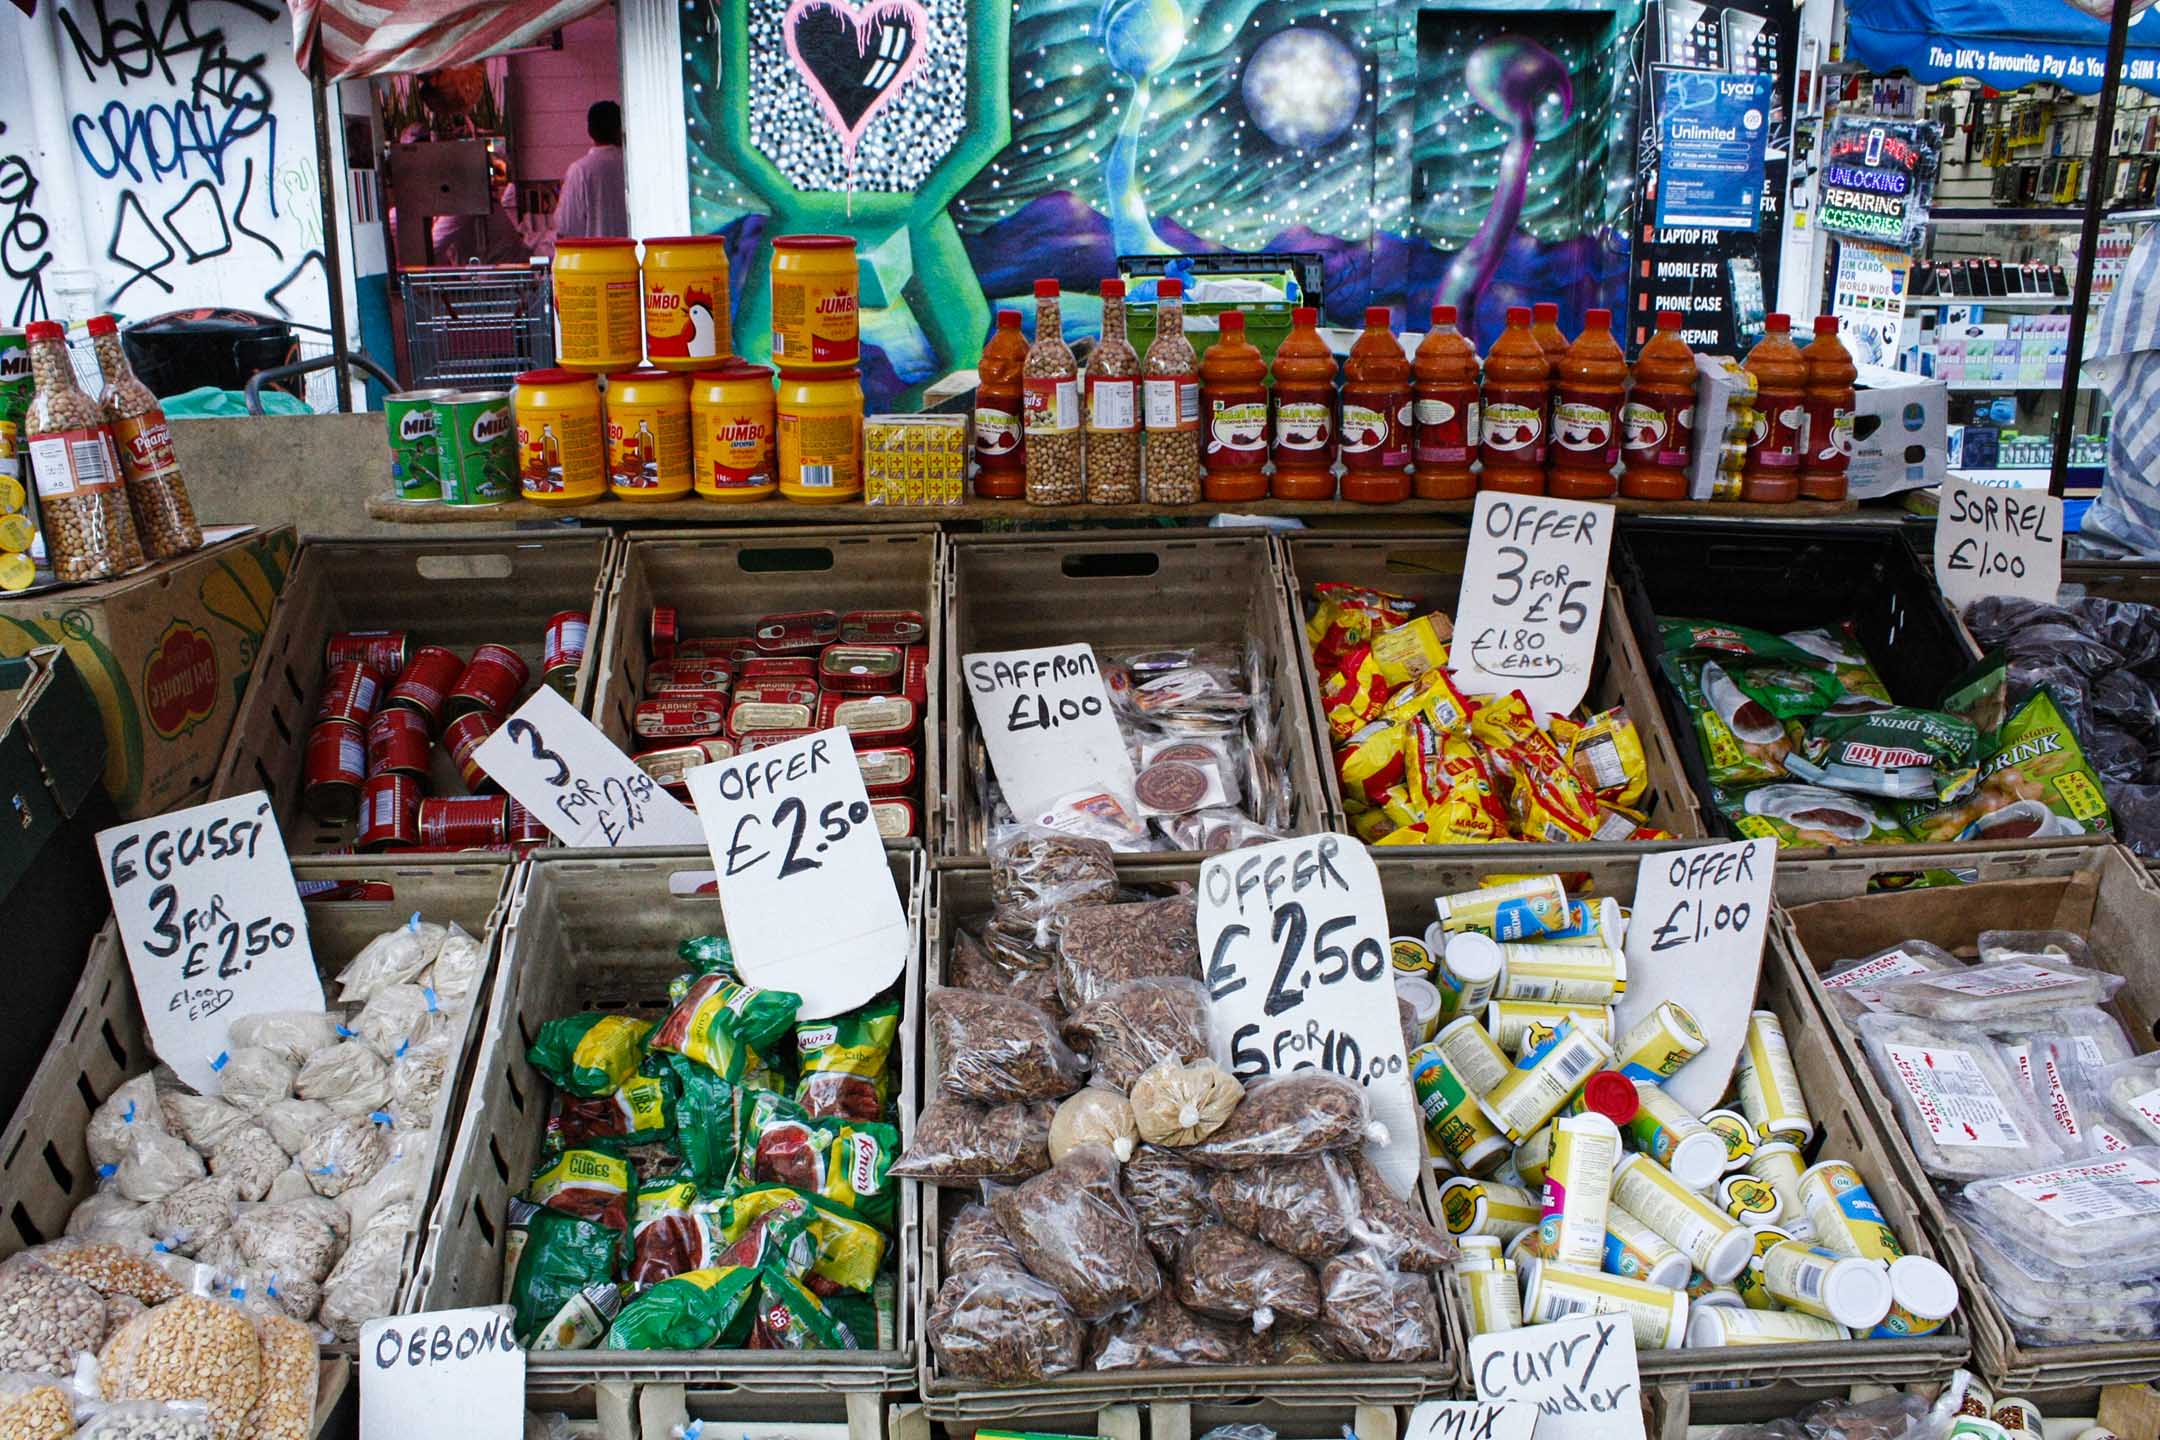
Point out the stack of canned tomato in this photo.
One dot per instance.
(712, 698)
(386, 705)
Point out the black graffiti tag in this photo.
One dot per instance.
(23, 235)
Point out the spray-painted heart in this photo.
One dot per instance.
(856, 59)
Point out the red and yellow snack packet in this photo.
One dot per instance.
(1371, 762)
(1371, 825)
(1615, 823)
(1348, 616)
(1403, 835)
(1608, 754)
(1353, 693)
(1436, 698)
(1563, 731)
(1413, 650)
(1463, 818)
(1505, 721)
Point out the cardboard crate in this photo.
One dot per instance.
(1123, 591)
(963, 895)
(458, 593)
(2103, 892)
(1429, 570)
(45, 1168)
(166, 653)
(594, 930)
(722, 583)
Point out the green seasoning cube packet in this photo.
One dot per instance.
(2036, 784)
(849, 1250)
(724, 1026)
(846, 1062)
(705, 1123)
(589, 1055)
(845, 1161)
(791, 1318)
(698, 1310)
(553, 1259)
(591, 1184)
(639, 1113)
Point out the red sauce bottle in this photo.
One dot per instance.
(1376, 415)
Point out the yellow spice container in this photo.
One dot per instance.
(558, 435)
(648, 426)
(815, 296)
(731, 433)
(686, 303)
(599, 305)
(820, 438)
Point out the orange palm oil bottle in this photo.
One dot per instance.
(1772, 469)
(1589, 387)
(1511, 423)
(1233, 407)
(1376, 415)
(1827, 437)
(1657, 428)
(1304, 372)
(1000, 446)
(1444, 376)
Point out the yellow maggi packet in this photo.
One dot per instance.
(1404, 835)
(1397, 807)
(1371, 762)
(1562, 730)
(1608, 754)
(1505, 721)
(1462, 819)
(1371, 825)
(1408, 652)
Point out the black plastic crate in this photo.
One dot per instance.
(1782, 577)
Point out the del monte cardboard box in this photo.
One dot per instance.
(166, 653)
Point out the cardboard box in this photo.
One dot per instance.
(166, 653)
(1900, 433)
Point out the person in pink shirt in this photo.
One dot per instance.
(593, 201)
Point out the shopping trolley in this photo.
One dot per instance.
(469, 326)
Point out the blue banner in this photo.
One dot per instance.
(2004, 43)
(1712, 131)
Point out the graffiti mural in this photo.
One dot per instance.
(191, 144)
(1473, 154)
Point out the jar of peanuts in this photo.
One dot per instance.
(89, 530)
(1113, 408)
(1051, 386)
(164, 519)
(1172, 393)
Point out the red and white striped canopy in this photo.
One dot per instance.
(380, 37)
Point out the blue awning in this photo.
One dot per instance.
(2003, 43)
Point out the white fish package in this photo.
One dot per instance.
(1966, 1113)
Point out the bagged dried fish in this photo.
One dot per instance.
(1377, 1314)
(1103, 946)
(1286, 1117)
(1139, 1024)
(1162, 1334)
(1227, 1274)
(1074, 1230)
(1093, 1116)
(995, 1049)
(1181, 1105)
(1306, 1208)
(975, 1241)
(958, 1142)
(1003, 1326)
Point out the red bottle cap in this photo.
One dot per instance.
(1046, 289)
(102, 325)
(1546, 312)
(44, 330)
(1670, 320)
(1597, 319)
(1378, 317)
(1305, 315)
(1008, 320)
(1518, 315)
(1778, 322)
(1231, 320)
(1443, 315)
(1611, 1094)
(1113, 289)
(1826, 324)
(1167, 289)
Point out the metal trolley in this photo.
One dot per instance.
(469, 326)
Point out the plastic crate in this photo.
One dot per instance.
(2101, 891)
(592, 930)
(1430, 570)
(457, 593)
(721, 583)
(45, 1168)
(1131, 590)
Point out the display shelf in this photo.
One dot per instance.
(1998, 302)
(1999, 387)
(781, 512)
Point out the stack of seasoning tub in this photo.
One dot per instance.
(1584, 1186)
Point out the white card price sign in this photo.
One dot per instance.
(1579, 1373)
(1695, 936)
(557, 764)
(1470, 1420)
(1997, 542)
(213, 926)
(1533, 594)
(808, 895)
(457, 1374)
(1046, 716)
(1293, 938)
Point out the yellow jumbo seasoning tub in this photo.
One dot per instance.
(731, 433)
(686, 302)
(599, 305)
(815, 292)
(560, 460)
(819, 437)
(648, 427)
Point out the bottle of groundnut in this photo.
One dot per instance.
(88, 527)
(1051, 394)
(1000, 455)
(1445, 377)
(1112, 400)
(1171, 397)
(164, 520)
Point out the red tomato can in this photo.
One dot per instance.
(862, 669)
(799, 632)
(684, 673)
(383, 651)
(887, 769)
(389, 812)
(731, 650)
(349, 693)
(680, 717)
(425, 682)
(666, 632)
(915, 675)
(564, 643)
(398, 743)
(465, 822)
(493, 680)
(522, 827)
(461, 737)
(334, 770)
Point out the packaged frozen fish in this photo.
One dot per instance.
(1855, 985)
(1967, 1116)
(2047, 946)
(1997, 991)
(2132, 1090)
(2096, 1214)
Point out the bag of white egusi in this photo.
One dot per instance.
(394, 957)
(253, 1078)
(113, 1125)
(457, 969)
(364, 1284)
(291, 1035)
(156, 1164)
(150, 1420)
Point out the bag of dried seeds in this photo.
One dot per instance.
(1102, 946)
(1074, 1229)
(1162, 1333)
(1140, 1024)
(1003, 1326)
(958, 1142)
(1227, 1274)
(1287, 1117)
(995, 1049)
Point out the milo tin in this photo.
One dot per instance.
(415, 453)
(477, 442)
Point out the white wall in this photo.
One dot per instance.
(550, 91)
(157, 154)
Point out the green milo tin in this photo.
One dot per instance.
(478, 443)
(415, 455)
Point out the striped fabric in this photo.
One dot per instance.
(2123, 354)
(376, 37)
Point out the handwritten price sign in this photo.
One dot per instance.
(212, 923)
(1294, 937)
(803, 880)
(452, 1373)
(558, 765)
(1997, 542)
(1045, 715)
(1533, 594)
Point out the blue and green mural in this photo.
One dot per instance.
(1479, 155)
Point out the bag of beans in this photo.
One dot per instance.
(958, 1142)
(996, 1050)
(1074, 1229)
